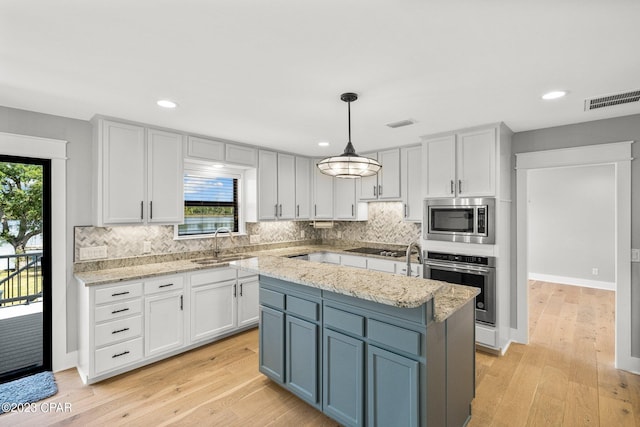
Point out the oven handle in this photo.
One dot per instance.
(458, 268)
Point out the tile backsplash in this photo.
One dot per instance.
(385, 226)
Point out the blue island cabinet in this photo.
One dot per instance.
(364, 363)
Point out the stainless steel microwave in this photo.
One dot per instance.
(467, 220)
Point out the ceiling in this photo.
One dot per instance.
(271, 73)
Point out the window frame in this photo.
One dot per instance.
(206, 171)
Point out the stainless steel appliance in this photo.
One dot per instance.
(469, 270)
(470, 220)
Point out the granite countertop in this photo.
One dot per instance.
(385, 288)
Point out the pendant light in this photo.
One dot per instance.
(349, 164)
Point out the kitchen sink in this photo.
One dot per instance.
(220, 260)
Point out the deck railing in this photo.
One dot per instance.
(20, 278)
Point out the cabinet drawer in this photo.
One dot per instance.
(117, 310)
(343, 321)
(117, 355)
(117, 293)
(303, 308)
(212, 276)
(118, 330)
(272, 298)
(394, 336)
(170, 283)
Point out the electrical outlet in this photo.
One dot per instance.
(594, 271)
(93, 252)
(146, 247)
(302, 234)
(635, 255)
(254, 239)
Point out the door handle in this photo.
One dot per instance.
(141, 210)
(276, 210)
(452, 190)
(181, 302)
(297, 210)
(280, 210)
(379, 190)
(235, 291)
(459, 186)
(240, 289)
(375, 190)
(405, 210)
(353, 212)
(151, 209)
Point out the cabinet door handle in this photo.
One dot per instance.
(120, 354)
(240, 289)
(452, 190)
(375, 190)
(379, 190)
(405, 211)
(151, 209)
(353, 212)
(117, 294)
(459, 186)
(234, 291)
(315, 210)
(281, 211)
(120, 330)
(119, 311)
(276, 210)
(142, 210)
(181, 302)
(297, 210)
(166, 285)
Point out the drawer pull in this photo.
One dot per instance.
(166, 286)
(120, 330)
(117, 294)
(120, 311)
(120, 354)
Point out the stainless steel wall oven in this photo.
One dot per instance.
(469, 270)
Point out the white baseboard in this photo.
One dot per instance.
(563, 280)
(64, 362)
(629, 363)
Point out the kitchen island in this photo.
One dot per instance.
(367, 348)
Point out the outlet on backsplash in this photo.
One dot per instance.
(146, 247)
(93, 252)
(302, 234)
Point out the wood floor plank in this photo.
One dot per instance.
(565, 377)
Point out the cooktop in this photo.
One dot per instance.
(377, 251)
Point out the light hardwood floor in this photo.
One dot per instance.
(564, 377)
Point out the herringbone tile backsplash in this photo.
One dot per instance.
(385, 226)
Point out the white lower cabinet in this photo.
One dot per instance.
(130, 324)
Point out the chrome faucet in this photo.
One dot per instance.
(413, 245)
(216, 250)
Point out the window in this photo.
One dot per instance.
(209, 203)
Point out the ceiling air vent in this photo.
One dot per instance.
(611, 100)
(401, 123)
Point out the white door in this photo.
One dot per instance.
(303, 187)
(440, 161)
(165, 198)
(123, 161)
(164, 323)
(286, 186)
(476, 166)
(345, 199)
(389, 175)
(248, 301)
(213, 309)
(268, 184)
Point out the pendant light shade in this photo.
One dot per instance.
(349, 164)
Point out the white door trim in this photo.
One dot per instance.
(618, 154)
(56, 151)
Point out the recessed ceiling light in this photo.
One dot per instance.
(554, 94)
(166, 103)
(323, 144)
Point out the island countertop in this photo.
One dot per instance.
(384, 288)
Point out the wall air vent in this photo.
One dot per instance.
(611, 100)
(401, 123)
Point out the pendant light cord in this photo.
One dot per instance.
(349, 114)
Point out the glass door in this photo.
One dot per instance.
(25, 304)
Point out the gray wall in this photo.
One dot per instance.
(596, 132)
(571, 222)
(78, 134)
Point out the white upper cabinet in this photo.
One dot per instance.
(386, 184)
(322, 195)
(219, 151)
(164, 177)
(138, 175)
(411, 182)
(345, 198)
(276, 182)
(303, 187)
(461, 164)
